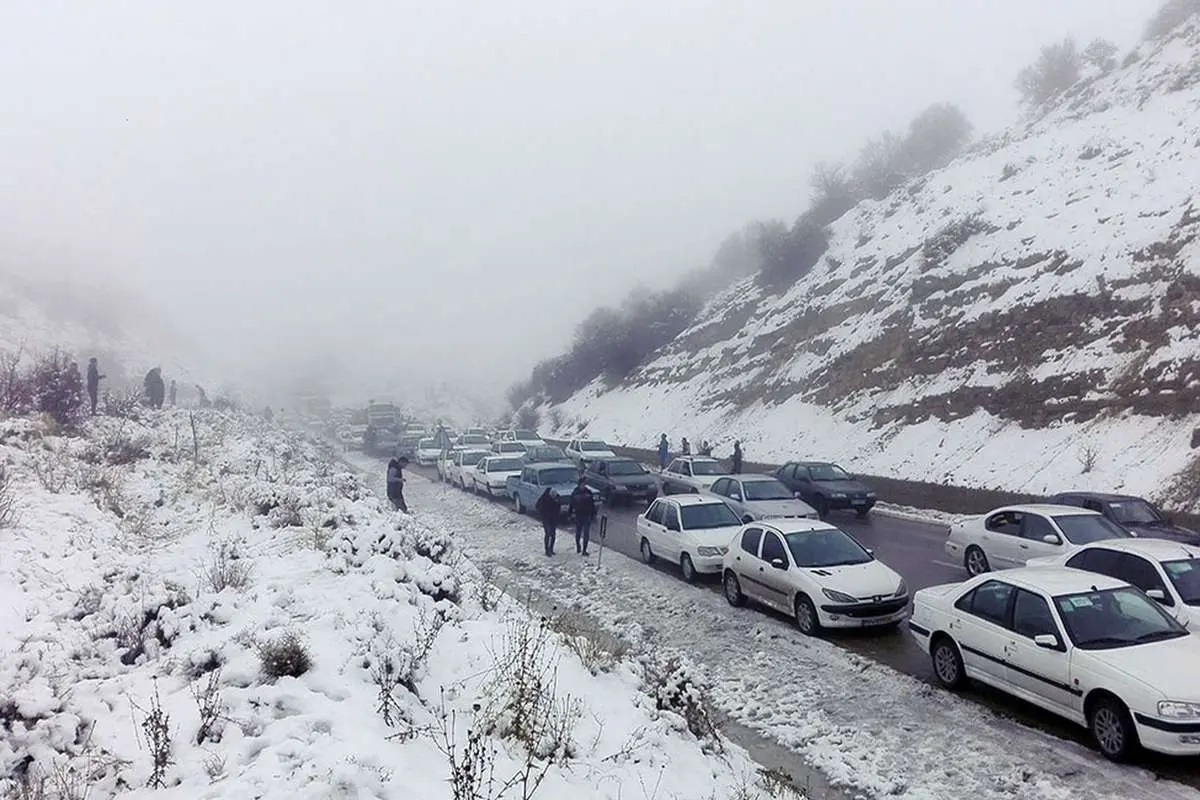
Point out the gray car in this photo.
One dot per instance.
(758, 497)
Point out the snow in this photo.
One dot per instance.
(150, 569)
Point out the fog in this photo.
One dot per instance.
(406, 191)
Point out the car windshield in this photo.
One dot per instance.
(708, 468)
(825, 548)
(766, 490)
(708, 515)
(1134, 512)
(1088, 528)
(473, 438)
(470, 457)
(1121, 617)
(1185, 576)
(526, 435)
(428, 444)
(546, 454)
(512, 447)
(828, 472)
(504, 465)
(553, 476)
(592, 447)
(625, 468)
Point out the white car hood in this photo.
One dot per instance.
(865, 581)
(779, 508)
(502, 476)
(1167, 667)
(712, 537)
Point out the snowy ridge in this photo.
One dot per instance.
(161, 563)
(1022, 319)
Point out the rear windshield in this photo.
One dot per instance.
(562, 475)
(708, 468)
(526, 435)
(1088, 528)
(625, 468)
(708, 515)
(473, 439)
(504, 465)
(592, 446)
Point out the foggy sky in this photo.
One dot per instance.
(444, 188)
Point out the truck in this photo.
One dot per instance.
(527, 488)
(383, 429)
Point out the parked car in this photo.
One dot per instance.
(477, 431)
(827, 487)
(456, 471)
(490, 476)
(761, 497)
(1087, 647)
(475, 440)
(427, 452)
(691, 474)
(818, 574)
(1168, 572)
(544, 454)
(525, 489)
(1010, 536)
(1134, 514)
(407, 446)
(508, 448)
(527, 438)
(690, 530)
(621, 481)
(581, 451)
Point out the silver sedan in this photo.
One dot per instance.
(758, 497)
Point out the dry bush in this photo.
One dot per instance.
(1087, 458)
(598, 649)
(399, 666)
(286, 656)
(53, 469)
(226, 568)
(676, 688)
(209, 704)
(9, 513)
(16, 390)
(486, 591)
(156, 727)
(106, 487)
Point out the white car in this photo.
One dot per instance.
(691, 474)
(476, 441)
(818, 574)
(508, 448)
(428, 451)
(689, 530)
(761, 497)
(581, 451)
(456, 470)
(1087, 647)
(1008, 537)
(1168, 572)
(527, 438)
(490, 475)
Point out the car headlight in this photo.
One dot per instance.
(1173, 709)
(871, 495)
(711, 551)
(903, 590)
(837, 494)
(839, 597)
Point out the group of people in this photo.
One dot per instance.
(155, 386)
(582, 506)
(685, 449)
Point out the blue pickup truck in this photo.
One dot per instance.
(526, 488)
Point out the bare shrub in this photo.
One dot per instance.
(1101, 55)
(675, 687)
(209, 703)
(226, 568)
(156, 728)
(124, 405)
(487, 593)
(53, 469)
(286, 656)
(106, 488)
(58, 388)
(16, 390)
(1170, 16)
(399, 666)
(9, 513)
(118, 448)
(1056, 70)
(1087, 458)
(597, 649)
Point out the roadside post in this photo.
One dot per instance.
(603, 533)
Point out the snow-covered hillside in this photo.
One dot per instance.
(209, 606)
(1023, 319)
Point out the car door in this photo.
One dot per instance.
(1034, 530)
(672, 477)
(1001, 539)
(672, 532)
(803, 484)
(723, 488)
(981, 630)
(745, 561)
(772, 578)
(653, 523)
(1041, 675)
(735, 495)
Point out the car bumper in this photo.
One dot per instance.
(1169, 737)
(852, 503)
(863, 615)
(707, 564)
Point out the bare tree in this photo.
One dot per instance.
(1056, 70)
(1101, 55)
(1170, 16)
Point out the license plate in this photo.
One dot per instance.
(858, 502)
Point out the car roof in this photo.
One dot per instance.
(753, 476)
(695, 458)
(1157, 549)
(692, 499)
(815, 463)
(1048, 509)
(1055, 580)
(799, 525)
(551, 464)
(1104, 497)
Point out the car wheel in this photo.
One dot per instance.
(520, 506)
(1112, 729)
(976, 562)
(861, 513)
(647, 553)
(822, 506)
(687, 568)
(947, 663)
(806, 616)
(733, 589)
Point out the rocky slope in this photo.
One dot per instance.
(1025, 318)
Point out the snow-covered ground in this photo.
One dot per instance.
(862, 724)
(209, 606)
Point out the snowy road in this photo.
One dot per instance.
(860, 721)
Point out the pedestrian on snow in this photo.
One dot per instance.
(685, 447)
(93, 383)
(268, 413)
(395, 483)
(737, 457)
(547, 508)
(583, 506)
(664, 451)
(155, 388)
(174, 393)
(705, 448)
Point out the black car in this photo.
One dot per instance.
(826, 487)
(1134, 514)
(544, 454)
(621, 480)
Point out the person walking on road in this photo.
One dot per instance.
(93, 383)
(395, 483)
(583, 507)
(547, 508)
(664, 452)
(737, 457)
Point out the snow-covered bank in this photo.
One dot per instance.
(210, 606)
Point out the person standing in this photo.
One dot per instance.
(705, 448)
(174, 393)
(685, 447)
(737, 457)
(154, 387)
(547, 508)
(583, 507)
(395, 483)
(664, 452)
(93, 383)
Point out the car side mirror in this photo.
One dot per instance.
(870, 551)
(736, 495)
(1157, 595)
(1051, 538)
(778, 563)
(1046, 640)
(796, 495)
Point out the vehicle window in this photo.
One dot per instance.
(1035, 526)
(989, 601)
(1005, 522)
(766, 490)
(655, 513)
(594, 447)
(1139, 572)
(561, 475)
(1088, 528)
(826, 548)
(1096, 559)
(1185, 576)
(623, 467)
(676, 468)
(828, 472)
(709, 515)
(687, 468)
(1090, 505)
(1032, 616)
(503, 465)
(722, 487)
(527, 476)
(705, 467)
(750, 540)
(671, 518)
(601, 468)
(530, 435)
(772, 548)
(1114, 618)
(1133, 512)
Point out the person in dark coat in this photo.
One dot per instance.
(685, 447)
(395, 483)
(583, 507)
(547, 508)
(93, 383)
(155, 388)
(705, 448)
(664, 451)
(174, 393)
(737, 457)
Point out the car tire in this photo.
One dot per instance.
(687, 568)
(861, 513)
(647, 553)
(806, 617)
(732, 589)
(822, 506)
(520, 506)
(947, 663)
(976, 561)
(1112, 728)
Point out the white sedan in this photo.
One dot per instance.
(582, 451)
(1168, 572)
(428, 451)
(816, 573)
(490, 476)
(463, 459)
(1008, 537)
(692, 531)
(1084, 646)
(691, 474)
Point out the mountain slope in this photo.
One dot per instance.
(1024, 319)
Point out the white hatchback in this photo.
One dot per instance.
(428, 451)
(692, 531)
(490, 476)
